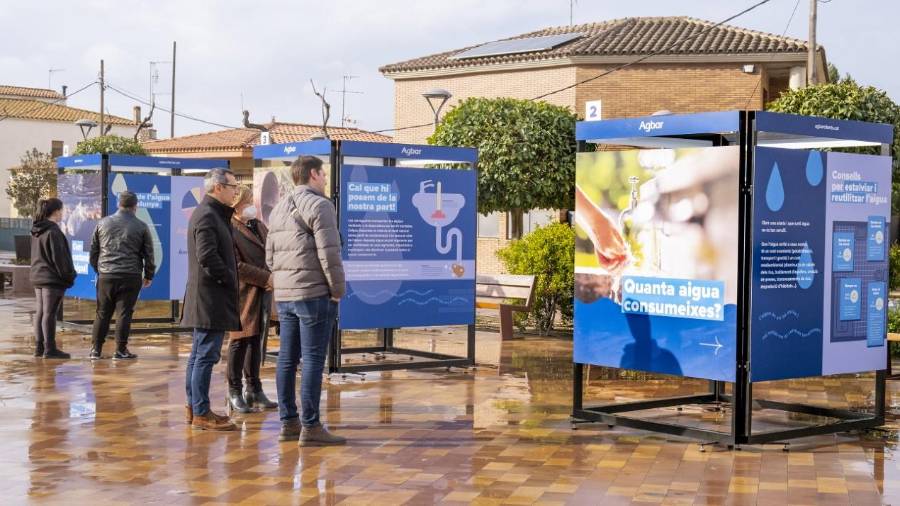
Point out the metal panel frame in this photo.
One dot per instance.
(741, 401)
(107, 161)
(416, 359)
(389, 153)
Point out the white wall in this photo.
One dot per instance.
(20, 135)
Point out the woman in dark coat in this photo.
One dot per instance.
(255, 288)
(52, 272)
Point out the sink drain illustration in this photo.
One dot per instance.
(439, 210)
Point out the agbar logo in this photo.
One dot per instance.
(649, 126)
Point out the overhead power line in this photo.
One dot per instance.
(772, 57)
(146, 102)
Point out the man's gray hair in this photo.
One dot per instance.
(214, 177)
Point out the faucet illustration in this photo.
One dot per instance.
(439, 210)
(632, 203)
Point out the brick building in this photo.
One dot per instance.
(695, 66)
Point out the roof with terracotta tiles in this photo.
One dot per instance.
(26, 92)
(243, 138)
(38, 110)
(625, 37)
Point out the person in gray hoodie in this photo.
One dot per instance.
(303, 251)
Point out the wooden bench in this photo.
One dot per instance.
(495, 292)
(891, 337)
(21, 279)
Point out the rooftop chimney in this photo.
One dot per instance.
(64, 88)
(148, 134)
(137, 115)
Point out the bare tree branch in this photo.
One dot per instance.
(146, 122)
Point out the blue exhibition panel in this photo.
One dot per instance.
(657, 262)
(166, 202)
(409, 247)
(819, 263)
(409, 233)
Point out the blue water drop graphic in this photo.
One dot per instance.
(806, 269)
(775, 190)
(814, 168)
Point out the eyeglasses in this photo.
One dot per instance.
(230, 185)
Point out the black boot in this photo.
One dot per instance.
(39, 348)
(51, 351)
(256, 398)
(236, 402)
(56, 353)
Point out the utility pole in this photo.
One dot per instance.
(572, 12)
(102, 91)
(344, 92)
(811, 74)
(172, 125)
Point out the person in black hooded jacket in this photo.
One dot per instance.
(52, 272)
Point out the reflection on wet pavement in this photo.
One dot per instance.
(112, 432)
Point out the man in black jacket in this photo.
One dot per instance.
(211, 295)
(122, 255)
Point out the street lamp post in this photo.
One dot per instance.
(437, 96)
(86, 125)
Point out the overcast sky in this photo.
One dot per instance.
(269, 50)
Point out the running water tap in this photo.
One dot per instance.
(628, 212)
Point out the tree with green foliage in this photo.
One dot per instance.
(526, 152)
(33, 180)
(894, 261)
(834, 74)
(110, 144)
(846, 99)
(548, 253)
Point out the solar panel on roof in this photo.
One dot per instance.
(514, 46)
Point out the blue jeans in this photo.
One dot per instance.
(205, 353)
(305, 325)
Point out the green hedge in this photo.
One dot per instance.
(547, 253)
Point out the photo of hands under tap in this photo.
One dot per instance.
(667, 208)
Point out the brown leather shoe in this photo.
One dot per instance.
(318, 435)
(212, 421)
(189, 414)
(290, 430)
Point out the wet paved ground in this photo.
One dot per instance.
(77, 432)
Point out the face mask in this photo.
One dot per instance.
(249, 212)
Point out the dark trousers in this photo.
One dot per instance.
(47, 301)
(244, 355)
(119, 295)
